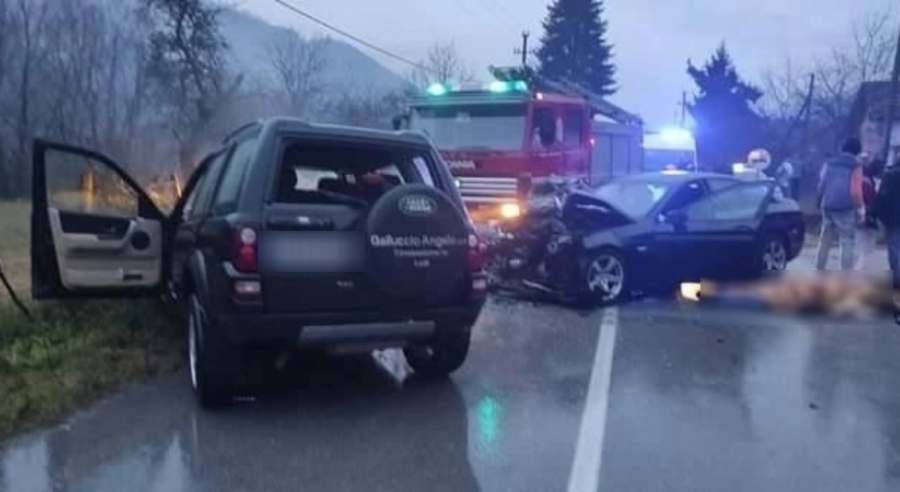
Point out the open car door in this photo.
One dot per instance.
(94, 231)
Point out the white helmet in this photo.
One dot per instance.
(759, 159)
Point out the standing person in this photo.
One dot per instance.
(887, 210)
(758, 161)
(784, 177)
(868, 230)
(840, 197)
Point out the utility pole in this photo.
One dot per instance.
(524, 50)
(803, 115)
(683, 107)
(892, 103)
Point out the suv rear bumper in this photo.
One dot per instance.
(332, 329)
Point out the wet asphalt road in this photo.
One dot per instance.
(699, 399)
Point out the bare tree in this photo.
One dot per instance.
(866, 56)
(442, 64)
(31, 22)
(189, 68)
(784, 90)
(873, 46)
(298, 65)
(365, 107)
(5, 38)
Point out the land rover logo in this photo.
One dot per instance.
(417, 205)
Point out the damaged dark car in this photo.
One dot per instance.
(646, 233)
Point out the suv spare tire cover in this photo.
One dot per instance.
(417, 245)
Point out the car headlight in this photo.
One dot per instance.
(510, 210)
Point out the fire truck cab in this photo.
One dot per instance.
(500, 141)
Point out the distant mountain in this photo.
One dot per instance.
(250, 37)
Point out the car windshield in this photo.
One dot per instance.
(635, 198)
(473, 127)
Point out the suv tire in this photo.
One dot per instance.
(211, 388)
(444, 356)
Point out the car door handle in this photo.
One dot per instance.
(111, 233)
(100, 242)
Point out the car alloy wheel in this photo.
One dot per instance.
(193, 328)
(775, 256)
(212, 389)
(606, 277)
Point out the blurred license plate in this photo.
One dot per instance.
(311, 252)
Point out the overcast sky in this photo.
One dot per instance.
(653, 38)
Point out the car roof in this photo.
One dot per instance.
(282, 124)
(673, 177)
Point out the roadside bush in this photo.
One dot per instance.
(73, 353)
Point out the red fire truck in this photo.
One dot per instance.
(501, 140)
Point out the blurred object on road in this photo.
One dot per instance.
(845, 295)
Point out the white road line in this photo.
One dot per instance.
(585, 473)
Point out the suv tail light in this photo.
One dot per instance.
(477, 263)
(477, 253)
(244, 254)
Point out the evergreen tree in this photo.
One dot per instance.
(728, 127)
(574, 46)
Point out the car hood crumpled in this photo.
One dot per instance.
(591, 212)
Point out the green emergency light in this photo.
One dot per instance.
(437, 89)
(502, 87)
(496, 87)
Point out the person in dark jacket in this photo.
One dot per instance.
(887, 210)
(868, 229)
(840, 196)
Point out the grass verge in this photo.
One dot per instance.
(72, 354)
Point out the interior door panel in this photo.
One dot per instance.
(90, 260)
(95, 232)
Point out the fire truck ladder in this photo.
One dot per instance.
(598, 104)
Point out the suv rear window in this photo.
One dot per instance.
(337, 172)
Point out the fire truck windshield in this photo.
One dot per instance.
(473, 127)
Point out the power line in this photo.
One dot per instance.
(493, 11)
(475, 15)
(350, 36)
(499, 8)
(510, 16)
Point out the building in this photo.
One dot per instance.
(868, 116)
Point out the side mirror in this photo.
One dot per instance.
(400, 122)
(675, 217)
